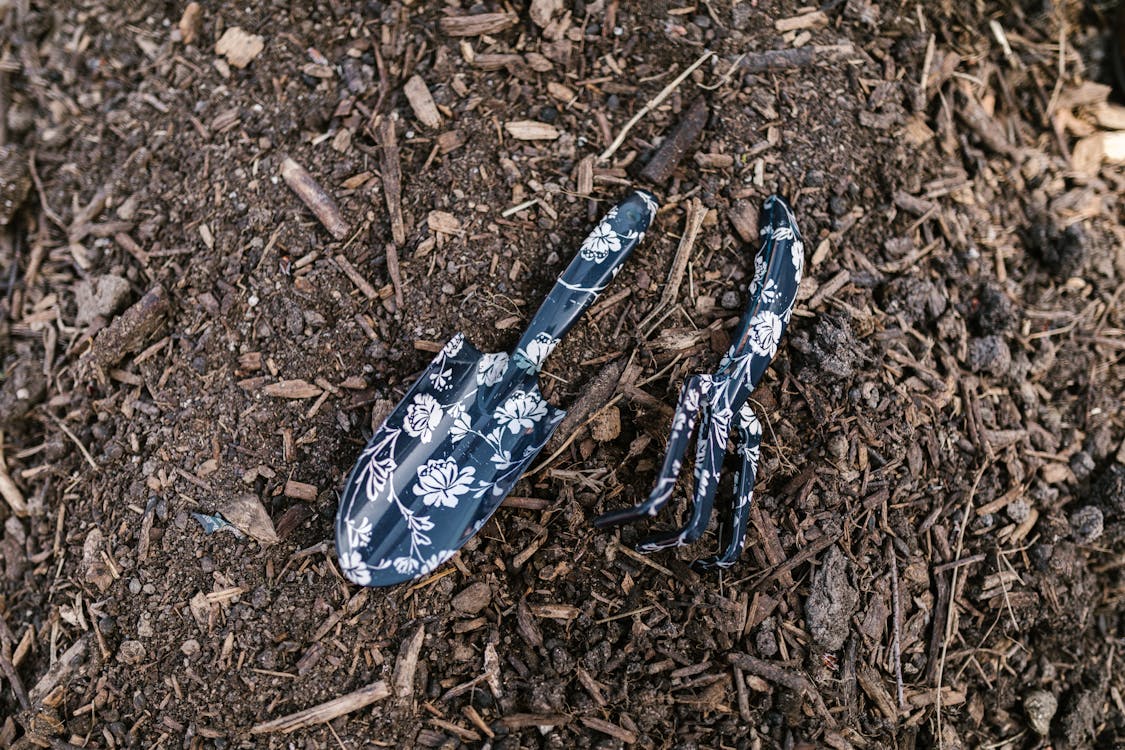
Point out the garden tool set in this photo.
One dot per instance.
(433, 474)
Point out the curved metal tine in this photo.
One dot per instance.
(733, 535)
(683, 424)
(711, 446)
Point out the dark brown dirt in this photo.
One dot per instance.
(945, 445)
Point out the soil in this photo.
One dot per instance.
(940, 509)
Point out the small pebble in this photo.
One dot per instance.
(1041, 706)
(131, 652)
(729, 300)
(1082, 464)
(1087, 524)
(1018, 510)
(190, 647)
(473, 599)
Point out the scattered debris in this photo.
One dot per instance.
(239, 47)
(325, 712)
(831, 602)
(315, 197)
(249, 516)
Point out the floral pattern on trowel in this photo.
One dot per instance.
(443, 461)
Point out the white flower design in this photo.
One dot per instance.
(748, 420)
(405, 565)
(461, 427)
(432, 562)
(798, 257)
(783, 233)
(359, 535)
(764, 333)
(355, 568)
(759, 273)
(453, 345)
(720, 425)
(601, 242)
(522, 410)
(441, 481)
(769, 292)
(378, 470)
(491, 368)
(422, 417)
(650, 204)
(441, 378)
(532, 358)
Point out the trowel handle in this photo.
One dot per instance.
(598, 260)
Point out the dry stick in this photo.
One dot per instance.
(394, 272)
(8, 489)
(652, 104)
(793, 681)
(676, 145)
(692, 222)
(773, 60)
(953, 597)
(326, 712)
(7, 638)
(74, 438)
(896, 652)
(315, 197)
(392, 179)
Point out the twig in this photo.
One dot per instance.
(7, 638)
(392, 179)
(953, 596)
(675, 146)
(325, 712)
(693, 220)
(896, 652)
(652, 104)
(8, 489)
(315, 197)
(47, 210)
(793, 681)
(395, 273)
(74, 438)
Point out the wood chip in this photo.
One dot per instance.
(239, 47)
(392, 179)
(606, 727)
(247, 514)
(300, 490)
(671, 152)
(530, 130)
(295, 389)
(525, 721)
(482, 23)
(356, 277)
(127, 333)
(315, 197)
(815, 20)
(407, 664)
(422, 102)
(443, 222)
(8, 489)
(325, 712)
(190, 22)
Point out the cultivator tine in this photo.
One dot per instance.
(692, 396)
(733, 534)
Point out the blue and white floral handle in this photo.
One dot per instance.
(598, 260)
